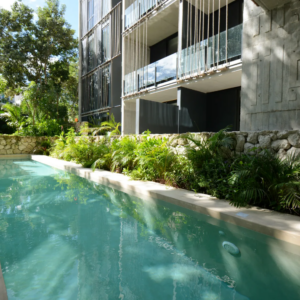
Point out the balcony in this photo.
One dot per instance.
(211, 52)
(192, 61)
(137, 10)
(161, 71)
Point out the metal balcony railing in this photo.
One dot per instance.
(161, 71)
(211, 52)
(137, 10)
(192, 61)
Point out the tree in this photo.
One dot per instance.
(2, 85)
(69, 95)
(39, 52)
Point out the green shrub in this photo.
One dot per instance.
(123, 153)
(154, 160)
(48, 127)
(43, 147)
(263, 179)
(210, 160)
(209, 166)
(86, 151)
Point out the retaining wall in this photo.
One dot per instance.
(282, 143)
(21, 145)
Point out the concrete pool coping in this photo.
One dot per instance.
(281, 226)
(3, 292)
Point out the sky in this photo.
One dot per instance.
(71, 10)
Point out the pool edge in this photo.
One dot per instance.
(3, 291)
(280, 226)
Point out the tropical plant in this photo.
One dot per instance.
(86, 151)
(154, 160)
(43, 147)
(109, 126)
(209, 166)
(13, 114)
(46, 127)
(265, 180)
(123, 153)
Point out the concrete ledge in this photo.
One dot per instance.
(3, 293)
(15, 156)
(281, 226)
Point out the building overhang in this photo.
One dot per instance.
(270, 4)
(214, 82)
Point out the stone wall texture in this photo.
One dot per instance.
(21, 145)
(281, 143)
(270, 97)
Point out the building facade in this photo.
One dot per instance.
(196, 65)
(100, 60)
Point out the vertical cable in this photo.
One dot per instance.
(203, 22)
(147, 51)
(219, 33)
(213, 32)
(132, 60)
(200, 27)
(226, 31)
(143, 54)
(191, 35)
(136, 56)
(187, 39)
(207, 33)
(196, 37)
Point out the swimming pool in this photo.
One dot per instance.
(64, 237)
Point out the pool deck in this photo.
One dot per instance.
(3, 293)
(284, 227)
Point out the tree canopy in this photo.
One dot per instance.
(37, 51)
(38, 57)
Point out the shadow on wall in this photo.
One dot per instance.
(209, 112)
(271, 64)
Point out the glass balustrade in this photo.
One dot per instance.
(207, 53)
(161, 71)
(192, 61)
(138, 9)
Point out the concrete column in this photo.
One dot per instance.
(137, 118)
(123, 68)
(128, 117)
(180, 20)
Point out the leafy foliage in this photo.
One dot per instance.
(208, 165)
(38, 59)
(154, 160)
(110, 126)
(13, 115)
(47, 127)
(123, 153)
(265, 180)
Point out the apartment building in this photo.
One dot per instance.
(100, 72)
(199, 65)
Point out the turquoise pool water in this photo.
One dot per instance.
(63, 237)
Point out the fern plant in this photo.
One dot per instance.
(123, 153)
(265, 180)
(109, 126)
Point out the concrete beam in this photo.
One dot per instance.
(270, 4)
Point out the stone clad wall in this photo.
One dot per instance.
(20, 144)
(282, 143)
(270, 98)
